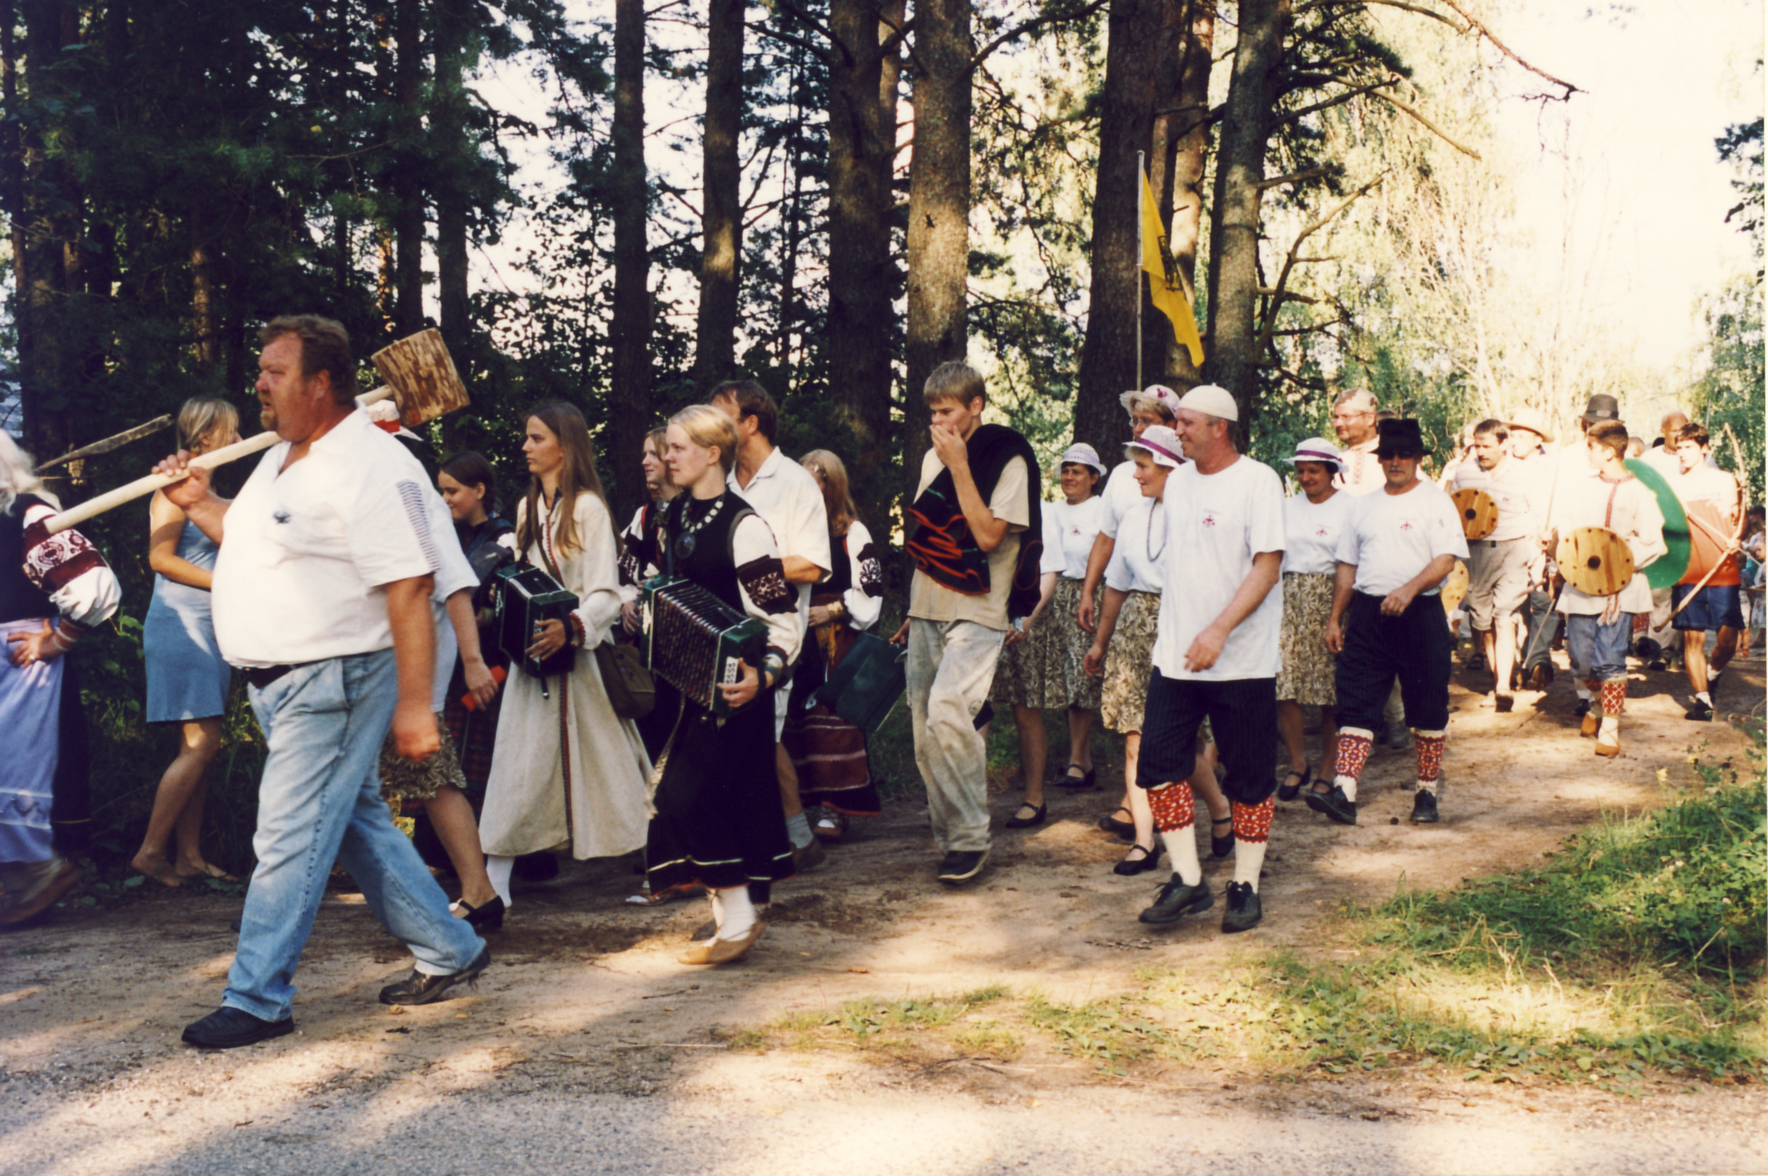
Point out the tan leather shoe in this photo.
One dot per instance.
(698, 952)
(729, 951)
(1592, 722)
(1610, 750)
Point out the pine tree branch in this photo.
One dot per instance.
(1279, 293)
(1337, 100)
(1428, 125)
(1079, 12)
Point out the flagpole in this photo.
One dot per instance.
(1141, 247)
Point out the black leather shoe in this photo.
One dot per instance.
(482, 918)
(1424, 808)
(418, 988)
(961, 866)
(1334, 805)
(1129, 866)
(1244, 910)
(230, 1028)
(1700, 712)
(1176, 900)
(1038, 813)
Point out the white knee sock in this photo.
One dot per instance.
(1249, 859)
(1348, 783)
(1610, 730)
(739, 912)
(1181, 846)
(498, 867)
(717, 912)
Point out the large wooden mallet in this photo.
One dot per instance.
(420, 379)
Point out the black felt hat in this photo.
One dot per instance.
(1400, 438)
(1602, 407)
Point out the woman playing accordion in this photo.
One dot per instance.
(719, 821)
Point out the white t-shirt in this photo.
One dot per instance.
(1512, 490)
(789, 501)
(1391, 537)
(1216, 523)
(1631, 511)
(1707, 483)
(1138, 561)
(453, 573)
(1069, 532)
(1121, 493)
(307, 553)
(1536, 477)
(1311, 532)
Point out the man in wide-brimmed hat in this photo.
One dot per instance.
(1388, 622)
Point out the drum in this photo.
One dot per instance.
(1709, 533)
(1479, 514)
(1455, 584)
(1668, 568)
(1595, 561)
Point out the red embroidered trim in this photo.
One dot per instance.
(1252, 822)
(1353, 755)
(1174, 805)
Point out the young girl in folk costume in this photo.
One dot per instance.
(469, 488)
(829, 752)
(719, 819)
(1599, 629)
(640, 559)
(568, 773)
(187, 681)
(53, 588)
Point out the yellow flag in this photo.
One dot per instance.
(1168, 298)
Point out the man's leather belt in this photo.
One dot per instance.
(262, 676)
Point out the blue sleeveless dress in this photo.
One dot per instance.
(186, 678)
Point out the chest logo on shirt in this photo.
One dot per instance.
(281, 516)
(1209, 518)
(1321, 533)
(1406, 525)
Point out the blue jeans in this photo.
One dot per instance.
(1599, 651)
(319, 803)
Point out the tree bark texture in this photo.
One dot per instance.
(408, 172)
(862, 281)
(721, 210)
(1133, 59)
(1178, 157)
(939, 210)
(630, 333)
(455, 153)
(50, 213)
(1232, 343)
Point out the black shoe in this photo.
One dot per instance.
(1122, 830)
(1582, 709)
(1503, 703)
(1424, 808)
(1334, 805)
(483, 918)
(418, 988)
(961, 866)
(1700, 712)
(1087, 779)
(806, 858)
(1244, 910)
(1176, 900)
(1221, 847)
(1541, 677)
(1132, 866)
(230, 1028)
(1038, 813)
(1286, 791)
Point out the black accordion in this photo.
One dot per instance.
(694, 640)
(525, 597)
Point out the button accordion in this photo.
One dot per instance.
(526, 596)
(694, 640)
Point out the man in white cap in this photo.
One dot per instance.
(1215, 654)
(1353, 419)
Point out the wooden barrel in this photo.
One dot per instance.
(1454, 589)
(1595, 561)
(1479, 514)
(1709, 532)
(1668, 568)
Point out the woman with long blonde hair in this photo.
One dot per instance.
(187, 680)
(834, 769)
(567, 773)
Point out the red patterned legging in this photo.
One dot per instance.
(1430, 755)
(1614, 697)
(1353, 751)
(1174, 807)
(1252, 822)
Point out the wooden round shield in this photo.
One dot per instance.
(1479, 514)
(1595, 561)
(1454, 589)
(1666, 569)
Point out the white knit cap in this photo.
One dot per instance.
(1211, 400)
(1080, 453)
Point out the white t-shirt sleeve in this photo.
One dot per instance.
(810, 527)
(1266, 531)
(864, 600)
(1446, 536)
(1117, 572)
(1011, 500)
(1052, 559)
(388, 526)
(1348, 551)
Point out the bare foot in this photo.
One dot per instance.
(158, 868)
(204, 869)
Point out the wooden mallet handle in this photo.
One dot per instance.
(147, 484)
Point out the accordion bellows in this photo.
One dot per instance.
(695, 640)
(527, 596)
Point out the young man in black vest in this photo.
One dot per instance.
(971, 527)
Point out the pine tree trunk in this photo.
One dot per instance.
(12, 183)
(1240, 168)
(1181, 144)
(721, 212)
(939, 210)
(1108, 359)
(630, 333)
(408, 174)
(456, 153)
(860, 277)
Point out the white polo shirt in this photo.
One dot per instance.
(1311, 531)
(306, 554)
(789, 501)
(1392, 537)
(1216, 524)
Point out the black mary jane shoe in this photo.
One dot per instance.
(419, 988)
(1288, 791)
(1082, 782)
(1129, 866)
(488, 917)
(1221, 847)
(1123, 830)
(1038, 813)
